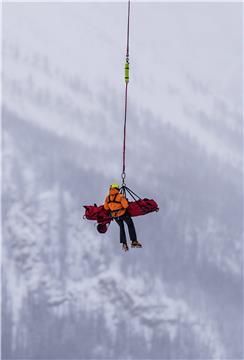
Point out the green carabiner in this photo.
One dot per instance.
(127, 71)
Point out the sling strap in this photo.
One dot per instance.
(114, 200)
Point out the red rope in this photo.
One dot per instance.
(126, 92)
(128, 30)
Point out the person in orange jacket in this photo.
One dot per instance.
(118, 204)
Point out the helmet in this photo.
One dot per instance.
(114, 186)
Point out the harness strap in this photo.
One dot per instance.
(115, 211)
(114, 200)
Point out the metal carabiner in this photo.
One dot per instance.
(123, 176)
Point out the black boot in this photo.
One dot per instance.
(125, 247)
(136, 244)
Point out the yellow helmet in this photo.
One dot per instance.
(114, 186)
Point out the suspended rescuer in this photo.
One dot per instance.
(118, 204)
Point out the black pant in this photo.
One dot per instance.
(132, 231)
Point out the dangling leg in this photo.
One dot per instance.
(122, 234)
(132, 231)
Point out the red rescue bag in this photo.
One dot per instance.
(100, 215)
(97, 213)
(142, 207)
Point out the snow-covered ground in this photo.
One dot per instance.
(69, 292)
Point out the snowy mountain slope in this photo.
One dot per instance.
(66, 268)
(61, 147)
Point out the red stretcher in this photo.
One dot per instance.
(103, 218)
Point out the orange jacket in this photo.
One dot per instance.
(116, 203)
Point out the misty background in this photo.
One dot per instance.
(69, 292)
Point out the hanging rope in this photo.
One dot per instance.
(123, 175)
